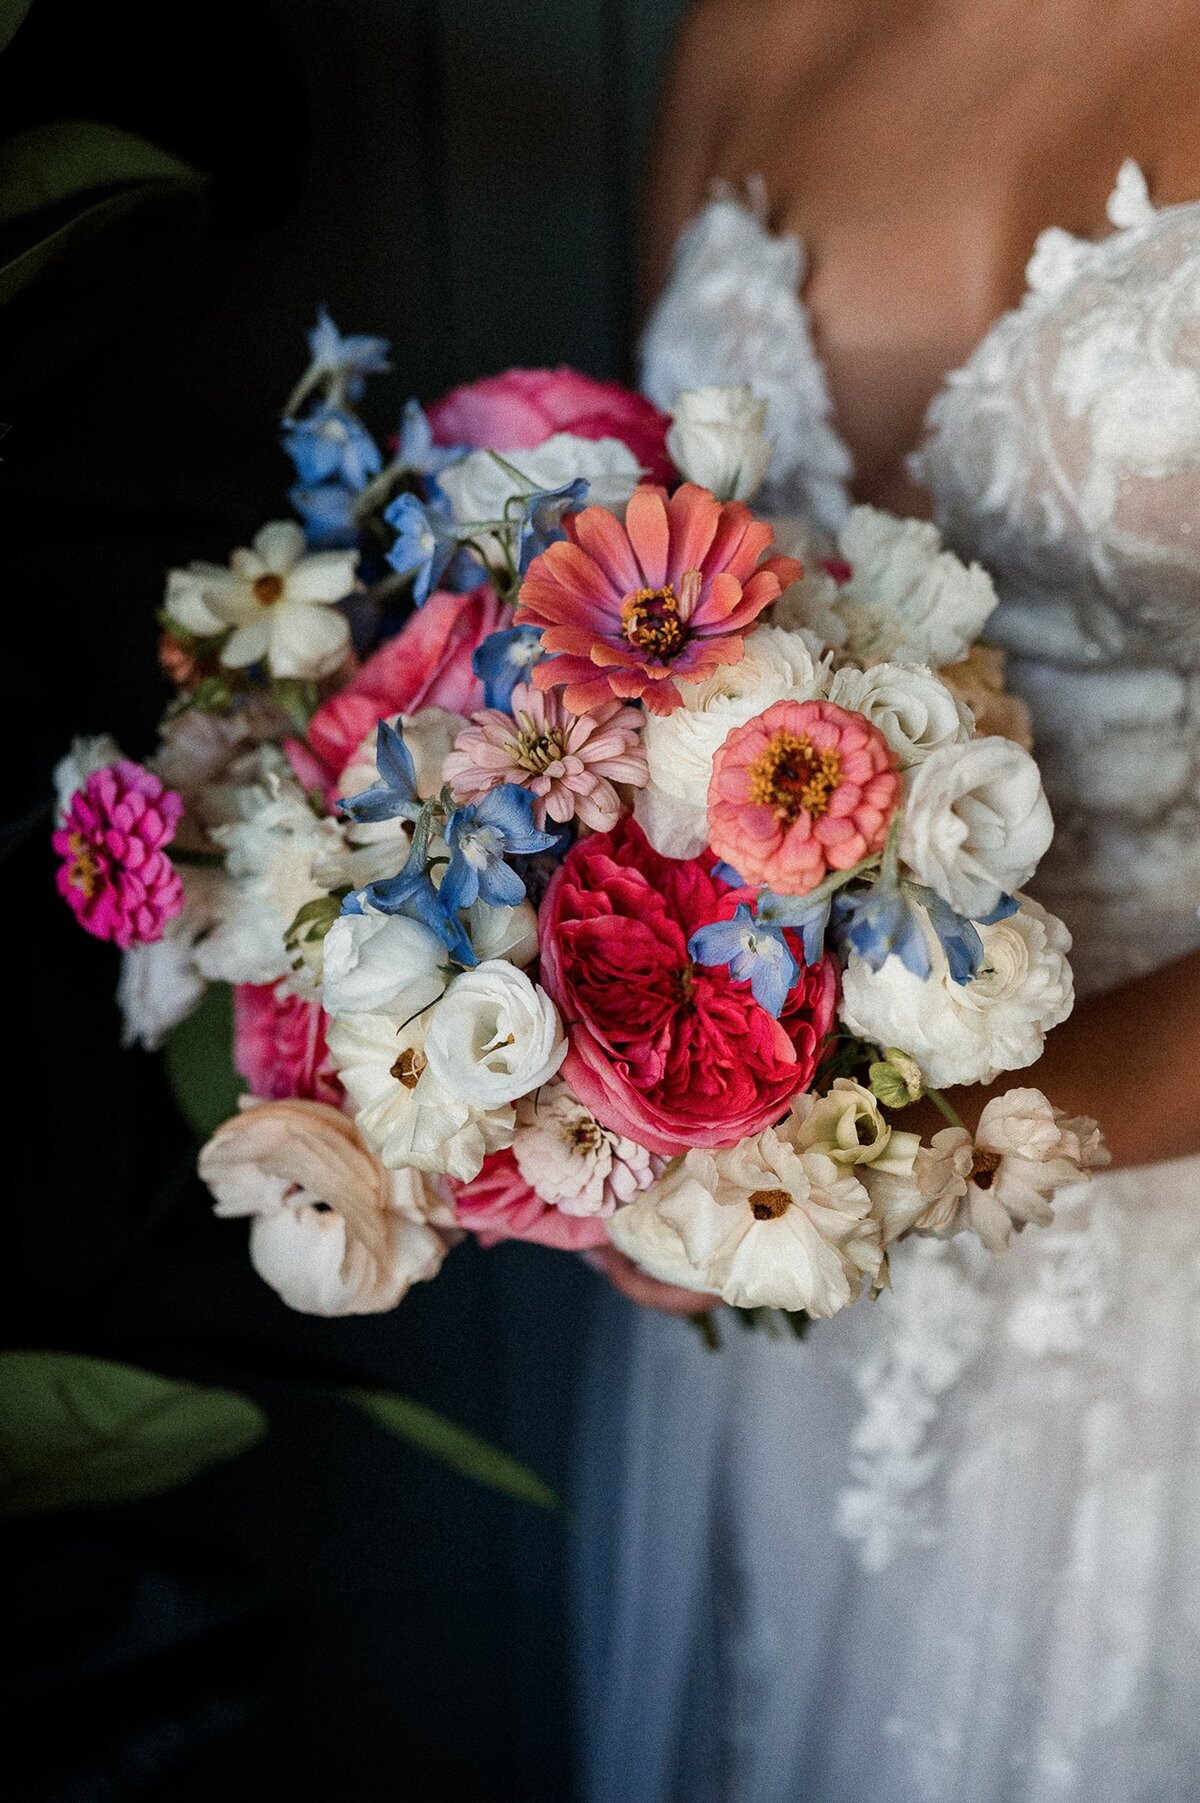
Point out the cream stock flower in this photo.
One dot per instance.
(332, 1231)
(976, 823)
(717, 439)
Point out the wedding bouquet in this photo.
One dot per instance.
(585, 868)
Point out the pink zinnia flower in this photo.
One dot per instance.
(569, 762)
(499, 1205)
(635, 609)
(115, 875)
(279, 1045)
(802, 789)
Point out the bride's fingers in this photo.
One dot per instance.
(648, 1292)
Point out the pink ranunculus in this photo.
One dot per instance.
(427, 664)
(115, 875)
(279, 1046)
(670, 1053)
(499, 1205)
(522, 408)
(802, 789)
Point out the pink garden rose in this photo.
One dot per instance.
(669, 1053)
(499, 1205)
(115, 875)
(522, 408)
(427, 664)
(279, 1045)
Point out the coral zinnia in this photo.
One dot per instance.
(633, 610)
(115, 874)
(801, 789)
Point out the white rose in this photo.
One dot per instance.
(480, 487)
(717, 439)
(680, 747)
(405, 1114)
(976, 823)
(968, 1032)
(494, 1036)
(915, 712)
(86, 756)
(381, 964)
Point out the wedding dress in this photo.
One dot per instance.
(947, 1550)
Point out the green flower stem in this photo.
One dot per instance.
(945, 1109)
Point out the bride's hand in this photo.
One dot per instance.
(648, 1292)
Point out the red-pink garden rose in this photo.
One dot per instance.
(499, 1205)
(670, 1053)
(427, 664)
(524, 407)
(279, 1046)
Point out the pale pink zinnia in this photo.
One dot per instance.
(568, 762)
(802, 789)
(634, 609)
(115, 874)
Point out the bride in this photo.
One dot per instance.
(948, 1549)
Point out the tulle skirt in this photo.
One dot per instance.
(946, 1550)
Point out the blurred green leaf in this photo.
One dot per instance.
(72, 158)
(76, 1431)
(11, 14)
(454, 1446)
(199, 1060)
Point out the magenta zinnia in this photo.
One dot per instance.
(115, 874)
(568, 762)
(634, 609)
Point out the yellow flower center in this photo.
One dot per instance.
(533, 749)
(769, 1204)
(268, 589)
(84, 872)
(583, 1136)
(650, 621)
(791, 777)
(984, 1166)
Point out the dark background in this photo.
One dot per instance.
(332, 1616)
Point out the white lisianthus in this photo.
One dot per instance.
(680, 747)
(405, 1114)
(494, 1036)
(332, 1232)
(270, 854)
(717, 439)
(906, 600)
(915, 712)
(381, 964)
(499, 932)
(86, 756)
(848, 1125)
(976, 823)
(277, 597)
(764, 1224)
(571, 1161)
(480, 486)
(968, 1032)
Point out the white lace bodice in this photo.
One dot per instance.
(1065, 456)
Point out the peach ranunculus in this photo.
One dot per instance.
(522, 408)
(333, 1232)
(802, 789)
(427, 664)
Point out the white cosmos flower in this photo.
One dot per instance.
(680, 747)
(494, 1036)
(915, 712)
(765, 1224)
(976, 823)
(333, 1232)
(381, 964)
(278, 599)
(571, 1161)
(480, 487)
(86, 756)
(717, 439)
(968, 1032)
(406, 1115)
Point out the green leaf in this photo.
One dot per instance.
(454, 1446)
(76, 1431)
(199, 1060)
(12, 12)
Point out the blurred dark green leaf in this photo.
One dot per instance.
(454, 1446)
(76, 1431)
(11, 14)
(199, 1059)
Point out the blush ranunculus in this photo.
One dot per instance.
(279, 1046)
(427, 664)
(522, 408)
(499, 1205)
(669, 1053)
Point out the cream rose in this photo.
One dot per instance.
(915, 712)
(494, 1036)
(976, 823)
(717, 439)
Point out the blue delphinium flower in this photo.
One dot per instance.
(959, 939)
(348, 359)
(394, 796)
(330, 444)
(504, 659)
(424, 545)
(805, 914)
(1005, 908)
(412, 893)
(880, 922)
(481, 836)
(416, 453)
(754, 952)
(542, 515)
(327, 515)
